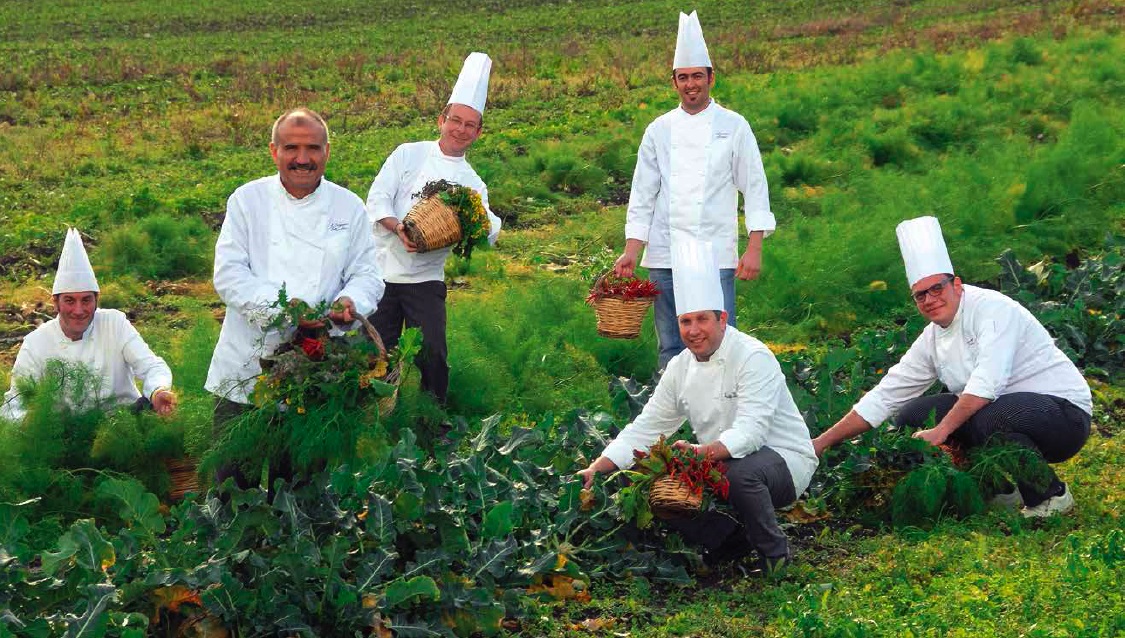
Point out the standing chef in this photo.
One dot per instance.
(1002, 372)
(293, 229)
(415, 293)
(101, 340)
(730, 388)
(691, 165)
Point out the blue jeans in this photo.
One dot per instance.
(664, 311)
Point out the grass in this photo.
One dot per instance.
(136, 121)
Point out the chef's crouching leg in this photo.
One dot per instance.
(759, 483)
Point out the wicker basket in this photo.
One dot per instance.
(671, 499)
(386, 404)
(431, 224)
(185, 477)
(621, 318)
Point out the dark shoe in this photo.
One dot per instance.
(733, 550)
(773, 568)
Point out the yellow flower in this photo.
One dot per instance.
(300, 409)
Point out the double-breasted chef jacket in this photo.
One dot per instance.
(318, 247)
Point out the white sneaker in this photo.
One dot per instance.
(1011, 501)
(1060, 504)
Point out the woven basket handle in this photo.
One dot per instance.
(373, 333)
(600, 281)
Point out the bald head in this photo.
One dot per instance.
(301, 117)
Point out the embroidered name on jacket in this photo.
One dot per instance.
(337, 225)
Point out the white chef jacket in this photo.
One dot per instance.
(318, 247)
(993, 347)
(738, 397)
(409, 168)
(689, 171)
(111, 348)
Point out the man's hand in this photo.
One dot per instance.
(685, 446)
(164, 401)
(820, 445)
(343, 311)
(933, 436)
(410, 246)
(715, 450)
(750, 264)
(306, 324)
(393, 225)
(600, 464)
(626, 264)
(587, 475)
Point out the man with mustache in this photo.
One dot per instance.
(730, 388)
(295, 230)
(416, 281)
(1004, 375)
(101, 340)
(692, 163)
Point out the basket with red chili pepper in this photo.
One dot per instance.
(620, 304)
(670, 483)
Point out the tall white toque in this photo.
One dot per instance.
(923, 249)
(75, 273)
(691, 50)
(695, 277)
(472, 85)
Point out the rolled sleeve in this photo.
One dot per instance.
(644, 190)
(659, 416)
(363, 281)
(759, 382)
(143, 363)
(750, 178)
(907, 379)
(494, 221)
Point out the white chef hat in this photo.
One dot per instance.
(75, 273)
(472, 85)
(923, 249)
(695, 277)
(691, 50)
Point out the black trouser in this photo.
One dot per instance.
(1053, 427)
(225, 412)
(418, 305)
(759, 483)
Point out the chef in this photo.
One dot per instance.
(1003, 375)
(293, 229)
(692, 163)
(101, 340)
(415, 293)
(730, 388)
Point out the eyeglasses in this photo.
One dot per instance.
(933, 291)
(467, 124)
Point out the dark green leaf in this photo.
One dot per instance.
(519, 437)
(417, 589)
(139, 508)
(499, 521)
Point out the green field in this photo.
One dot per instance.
(135, 120)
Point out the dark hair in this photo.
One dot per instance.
(710, 72)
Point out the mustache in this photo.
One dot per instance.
(306, 166)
